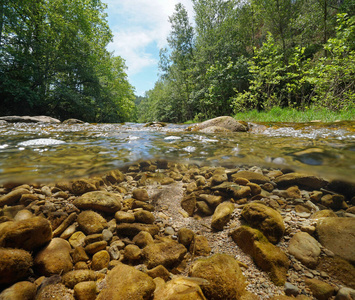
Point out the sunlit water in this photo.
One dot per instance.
(47, 152)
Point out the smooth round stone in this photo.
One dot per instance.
(85, 290)
(290, 289)
(100, 260)
(77, 239)
(169, 231)
(23, 215)
(107, 235)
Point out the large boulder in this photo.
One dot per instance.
(224, 122)
(99, 201)
(305, 248)
(224, 275)
(28, 234)
(267, 256)
(28, 119)
(166, 252)
(125, 282)
(337, 235)
(302, 180)
(54, 258)
(265, 219)
(14, 265)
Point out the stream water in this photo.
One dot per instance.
(47, 152)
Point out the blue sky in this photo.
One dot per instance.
(140, 29)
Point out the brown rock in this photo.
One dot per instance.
(179, 288)
(77, 239)
(222, 215)
(99, 201)
(54, 258)
(72, 278)
(337, 235)
(95, 247)
(28, 234)
(141, 194)
(266, 219)
(131, 230)
(305, 248)
(167, 253)
(255, 188)
(143, 239)
(79, 254)
(199, 246)
(144, 216)
(224, 122)
(339, 269)
(188, 203)
(85, 290)
(185, 236)
(320, 290)
(14, 265)
(219, 176)
(124, 217)
(91, 222)
(23, 290)
(266, 256)
(159, 271)
(302, 180)
(114, 176)
(326, 213)
(212, 200)
(12, 197)
(252, 177)
(100, 260)
(224, 275)
(82, 186)
(132, 253)
(125, 282)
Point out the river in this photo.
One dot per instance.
(51, 152)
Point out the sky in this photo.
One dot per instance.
(140, 29)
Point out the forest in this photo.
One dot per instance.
(232, 56)
(54, 61)
(254, 54)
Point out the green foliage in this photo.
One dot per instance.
(255, 54)
(53, 61)
(333, 76)
(278, 114)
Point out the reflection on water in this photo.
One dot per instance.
(52, 152)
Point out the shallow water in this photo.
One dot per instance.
(50, 152)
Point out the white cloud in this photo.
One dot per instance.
(137, 24)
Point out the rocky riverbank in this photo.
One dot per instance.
(161, 230)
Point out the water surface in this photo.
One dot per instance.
(50, 152)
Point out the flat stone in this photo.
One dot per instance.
(301, 180)
(337, 235)
(224, 122)
(305, 248)
(99, 201)
(131, 230)
(125, 282)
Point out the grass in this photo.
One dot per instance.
(277, 114)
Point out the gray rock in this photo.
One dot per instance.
(290, 289)
(225, 122)
(305, 248)
(337, 235)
